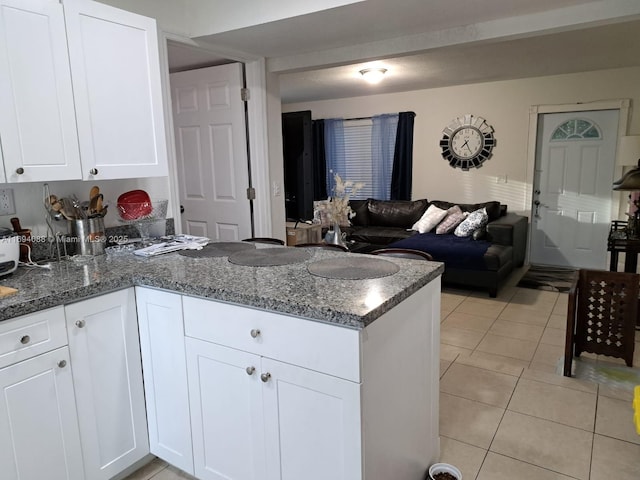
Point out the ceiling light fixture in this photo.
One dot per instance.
(373, 75)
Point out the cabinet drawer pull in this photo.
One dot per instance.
(255, 333)
(93, 171)
(62, 363)
(250, 370)
(25, 339)
(19, 170)
(80, 324)
(265, 377)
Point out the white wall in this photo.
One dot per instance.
(505, 105)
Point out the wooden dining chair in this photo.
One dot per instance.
(325, 246)
(403, 253)
(601, 316)
(272, 241)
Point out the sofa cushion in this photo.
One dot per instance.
(493, 208)
(379, 235)
(396, 213)
(428, 221)
(361, 209)
(454, 217)
(473, 222)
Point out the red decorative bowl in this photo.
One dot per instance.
(134, 205)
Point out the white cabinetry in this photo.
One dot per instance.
(115, 66)
(256, 417)
(107, 378)
(37, 119)
(165, 376)
(80, 92)
(39, 435)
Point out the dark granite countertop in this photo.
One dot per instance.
(287, 289)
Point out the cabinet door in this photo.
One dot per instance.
(312, 424)
(37, 118)
(115, 66)
(38, 425)
(107, 379)
(226, 412)
(164, 368)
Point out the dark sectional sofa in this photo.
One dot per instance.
(480, 263)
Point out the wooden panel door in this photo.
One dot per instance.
(38, 424)
(115, 67)
(225, 393)
(211, 152)
(312, 424)
(164, 368)
(37, 118)
(107, 379)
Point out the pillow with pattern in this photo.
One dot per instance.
(429, 219)
(474, 221)
(454, 217)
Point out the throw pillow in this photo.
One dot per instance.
(429, 219)
(454, 217)
(474, 221)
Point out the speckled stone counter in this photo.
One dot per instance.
(287, 289)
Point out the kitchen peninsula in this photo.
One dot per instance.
(249, 372)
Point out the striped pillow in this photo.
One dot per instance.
(454, 217)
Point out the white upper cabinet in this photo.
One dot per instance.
(37, 119)
(115, 68)
(80, 94)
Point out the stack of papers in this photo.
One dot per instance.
(179, 242)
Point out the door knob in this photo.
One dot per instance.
(25, 339)
(181, 208)
(250, 370)
(62, 363)
(80, 324)
(19, 170)
(265, 377)
(93, 171)
(255, 333)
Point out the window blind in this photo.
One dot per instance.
(357, 149)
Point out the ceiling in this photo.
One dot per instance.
(428, 44)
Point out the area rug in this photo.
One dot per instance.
(614, 376)
(545, 277)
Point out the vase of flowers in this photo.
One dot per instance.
(338, 209)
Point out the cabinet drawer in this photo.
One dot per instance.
(318, 346)
(31, 335)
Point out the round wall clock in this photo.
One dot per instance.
(467, 142)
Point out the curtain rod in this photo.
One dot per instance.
(358, 118)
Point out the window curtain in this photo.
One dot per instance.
(383, 140)
(319, 161)
(334, 150)
(401, 176)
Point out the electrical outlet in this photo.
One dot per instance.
(276, 189)
(7, 205)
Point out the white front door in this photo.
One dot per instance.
(572, 200)
(211, 152)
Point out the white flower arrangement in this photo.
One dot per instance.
(338, 208)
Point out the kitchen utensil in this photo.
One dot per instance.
(134, 205)
(89, 237)
(95, 191)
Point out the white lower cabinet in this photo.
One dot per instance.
(38, 425)
(107, 380)
(255, 417)
(39, 435)
(164, 370)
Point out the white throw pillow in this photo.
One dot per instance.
(429, 219)
(454, 217)
(475, 220)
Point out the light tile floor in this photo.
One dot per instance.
(505, 413)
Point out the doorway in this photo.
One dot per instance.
(572, 201)
(211, 152)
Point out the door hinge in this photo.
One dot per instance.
(251, 193)
(244, 94)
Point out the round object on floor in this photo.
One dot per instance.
(437, 468)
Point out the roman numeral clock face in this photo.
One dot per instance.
(467, 142)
